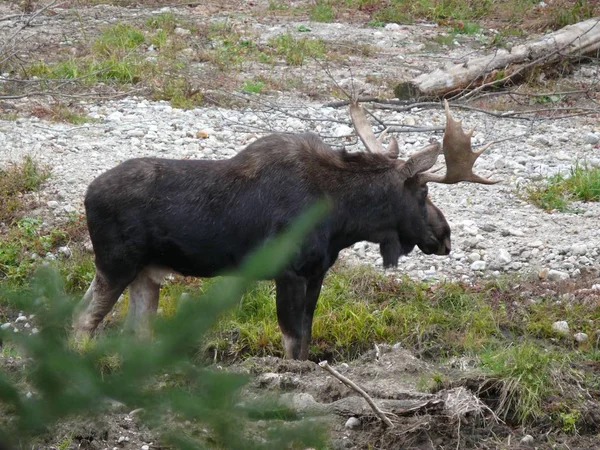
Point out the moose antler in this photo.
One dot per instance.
(366, 135)
(458, 155)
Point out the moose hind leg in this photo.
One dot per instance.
(144, 292)
(291, 298)
(96, 303)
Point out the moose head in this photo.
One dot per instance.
(427, 227)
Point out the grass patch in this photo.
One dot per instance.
(555, 194)
(166, 22)
(527, 374)
(27, 242)
(59, 112)
(16, 181)
(322, 11)
(295, 51)
(253, 87)
(358, 307)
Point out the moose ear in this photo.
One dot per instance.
(393, 150)
(421, 161)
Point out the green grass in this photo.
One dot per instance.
(118, 38)
(322, 11)
(253, 87)
(27, 242)
(294, 50)
(16, 180)
(555, 193)
(527, 374)
(166, 22)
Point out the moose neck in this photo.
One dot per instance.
(367, 211)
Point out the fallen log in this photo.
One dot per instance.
(575, 40)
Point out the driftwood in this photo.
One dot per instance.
(576, 40)
(420, 403)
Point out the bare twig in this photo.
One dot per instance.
(366, 396)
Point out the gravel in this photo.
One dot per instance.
(494, 230)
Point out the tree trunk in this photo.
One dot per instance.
(571, 41)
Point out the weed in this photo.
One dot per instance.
(582, 184)
(164, 21)
(376, 23)
(322, 11)
(28, 241)
(466, 28)
(303, 29)
(179, 92)
(59, 112)
(254, 87)
(526, 371)
(16, 181)
(568, 421)
(117, 38)
(296, 50)
(276, 5)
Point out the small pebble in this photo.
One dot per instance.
(352, 423)
(527, 440)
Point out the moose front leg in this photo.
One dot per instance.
(291, 303)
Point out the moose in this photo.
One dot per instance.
(149, 217)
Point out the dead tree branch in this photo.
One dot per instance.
(388, 423)
(468, 79)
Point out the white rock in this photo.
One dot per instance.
(5, 326)
(591, 138)
(478, 265)
(181, 31)
(527, 440)
(596, 287)
(136, 133)
(514, 232)
(392, 27)
(557, 275)
(580, 337)
(34, 331)
(352, 422)
(65, 251)
(471, 230)
(52, 204)
(21, 319)
(561, 327)
(145, 447)
(579, 249)
(342, 130)
(115, 117)
(473, 256)
(504, 256)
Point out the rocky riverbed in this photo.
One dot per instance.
(495, 230)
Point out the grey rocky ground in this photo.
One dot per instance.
(494, 229)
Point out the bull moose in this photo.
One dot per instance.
(148, 217)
